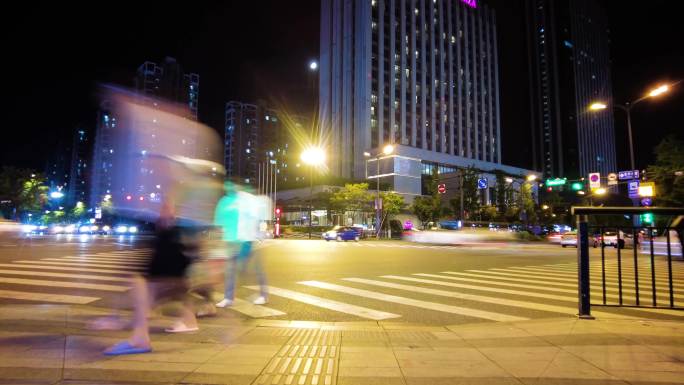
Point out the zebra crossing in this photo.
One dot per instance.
(109, 270)
(499, 294)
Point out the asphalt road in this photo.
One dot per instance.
(313, 280)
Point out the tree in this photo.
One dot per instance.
(668, 172)
(22, 189)
(78, 211)
(489, 213)
(471, 197)
(392, 204)
(528, 204)
(424, 209)
(503, 191)
(352, 197)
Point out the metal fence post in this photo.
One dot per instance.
(583, 268)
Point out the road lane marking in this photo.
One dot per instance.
(501, 301)
(595, 294)
(79, 264)
(559, 290)
(627, 276)
(329, 304)
(103, 260)
(610, 270)
(57, 261)
(489, 277)
(64, 275)
(595, 283)
(46, 297)
(542, 285)
(484, 288)
(62, 268)
(87, 261)
(76, 285)
(118, 256)
(252, 310)
(413, 302)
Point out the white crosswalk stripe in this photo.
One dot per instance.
(494, 294)
(414, 302)
(254, 311)
(84, 264)
(47, 297)
(328, 304)
(82, 273)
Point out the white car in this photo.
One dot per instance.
(610, 238)
(569, 238)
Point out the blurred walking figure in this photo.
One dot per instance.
(166, 169)
(240, 215)
(165, 278)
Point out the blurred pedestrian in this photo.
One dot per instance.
(164, 279)
(239, 214)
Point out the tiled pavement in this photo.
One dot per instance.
(50, 344)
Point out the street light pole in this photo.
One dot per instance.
(628, 109)
(313, 157)
(378, 208)
(310, 196)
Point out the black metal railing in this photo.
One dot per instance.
(656, 242)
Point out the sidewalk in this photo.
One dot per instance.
(50, 345)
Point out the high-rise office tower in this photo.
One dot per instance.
(568, 48)
(79, 177)
(419, 74)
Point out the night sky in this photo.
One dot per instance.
(55, 55)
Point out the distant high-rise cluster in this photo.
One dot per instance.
(256, 134)
(153, 82)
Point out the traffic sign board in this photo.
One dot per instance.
(441, 188)
(482, 183)
(556, 182)
(628, 175)
(646, 202)
(612, 179)
(633, 188)
(594, 180)
(647, 189)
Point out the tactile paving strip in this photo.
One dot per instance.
(310, 357)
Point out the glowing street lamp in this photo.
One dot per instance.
(627, 107)
(314, 157)
(658, 91)
(598, 106)
(313, 65)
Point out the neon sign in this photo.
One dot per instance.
(470, 3)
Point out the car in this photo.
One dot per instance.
(342, 233)
(122, 229)
(450, 225)
(569, 238)
(610, 238)
(554, 237)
